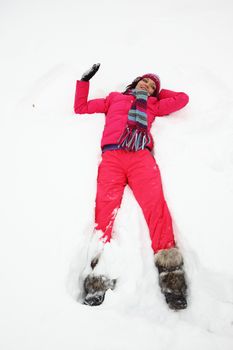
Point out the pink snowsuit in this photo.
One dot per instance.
(137, 169)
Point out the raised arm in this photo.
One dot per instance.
(83, 106)
(170, 101)
(81, 103)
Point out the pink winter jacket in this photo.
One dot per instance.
(117, 105)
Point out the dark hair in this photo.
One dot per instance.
(134, 84)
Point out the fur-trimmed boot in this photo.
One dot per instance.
(172, 277)
(95, 286)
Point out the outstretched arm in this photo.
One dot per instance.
(81, 104)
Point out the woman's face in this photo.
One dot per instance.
(146, 84)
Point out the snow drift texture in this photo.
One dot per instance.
(49, 159)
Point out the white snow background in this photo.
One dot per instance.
(49, 160)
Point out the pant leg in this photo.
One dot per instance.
(111, 182)
(145, 181)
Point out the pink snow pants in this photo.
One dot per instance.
(140, 171)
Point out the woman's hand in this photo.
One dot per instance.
(91, 72)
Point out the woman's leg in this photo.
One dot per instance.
(111, 182)
(145, 181)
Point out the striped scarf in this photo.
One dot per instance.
(135, 137)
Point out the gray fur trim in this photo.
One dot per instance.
(175, 272)
(94, 284)
(173, 282)
(95, 288)
(169, 258)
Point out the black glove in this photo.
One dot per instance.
(91, 72)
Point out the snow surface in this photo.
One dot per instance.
(49, 160)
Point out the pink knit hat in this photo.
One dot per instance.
(156, 79)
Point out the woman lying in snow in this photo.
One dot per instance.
(127, 160)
